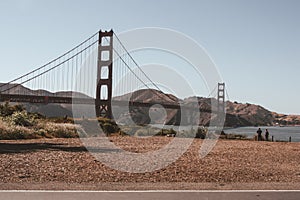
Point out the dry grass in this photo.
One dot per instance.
(41, 129)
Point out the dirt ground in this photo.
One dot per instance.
(65, 164)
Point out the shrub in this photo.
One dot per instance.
(165, 132)
(201, 133)
(64, 119)
(60, 130)
(17, 123)
(7, 110)
(108, 126)
(233, 136)
(13, 132)
(21, 119)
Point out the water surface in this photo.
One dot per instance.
(279, 133)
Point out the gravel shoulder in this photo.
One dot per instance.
(65, 164)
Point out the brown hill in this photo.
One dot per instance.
(49, 110)
(144, 115)
(240, 114)
(237, 114)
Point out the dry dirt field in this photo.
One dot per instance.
(59, 164)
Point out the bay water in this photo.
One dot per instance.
(279, 133)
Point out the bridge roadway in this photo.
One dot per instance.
(86, 101)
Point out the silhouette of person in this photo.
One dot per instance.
(259, 134)
(267, 135)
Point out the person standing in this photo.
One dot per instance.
(267, 135)
(259, 134)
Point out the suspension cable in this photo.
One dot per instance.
(45, 71)
(139, 69)
(212, 91)
(52, 61)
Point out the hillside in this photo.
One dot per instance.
(237, 114)
(50, 110)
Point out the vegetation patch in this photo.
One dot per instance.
(17, 123)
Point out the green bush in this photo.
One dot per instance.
(201, 133)
(108, 126)
(6, 109)
(165, 132)
(21, 119)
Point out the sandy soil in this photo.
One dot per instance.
(66, 164)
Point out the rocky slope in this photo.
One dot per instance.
(237, 114)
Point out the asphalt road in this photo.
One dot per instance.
(147, 195)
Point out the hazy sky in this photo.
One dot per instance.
(254, 43)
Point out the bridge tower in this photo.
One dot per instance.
(221, 98)
(104, 74)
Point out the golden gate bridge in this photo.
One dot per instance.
(107, 60)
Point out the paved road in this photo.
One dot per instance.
(147, 195)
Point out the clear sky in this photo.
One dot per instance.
(254, 43)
